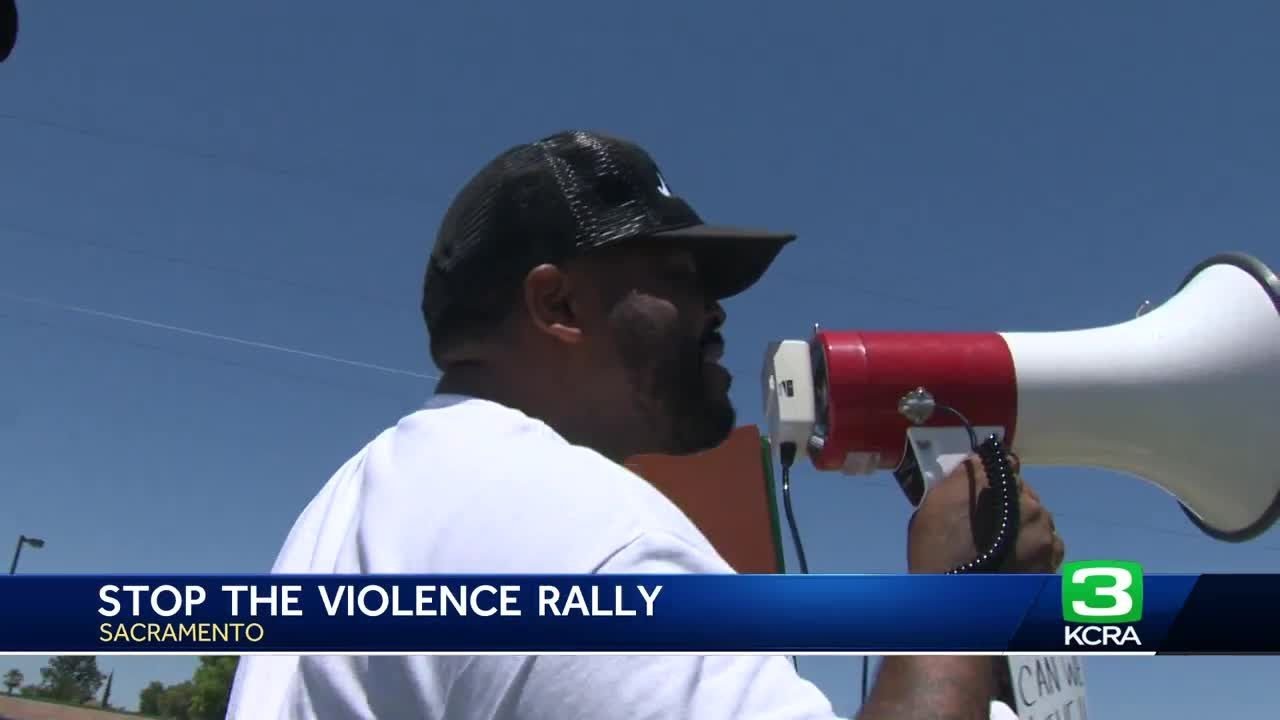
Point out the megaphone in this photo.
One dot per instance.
(1185, 395)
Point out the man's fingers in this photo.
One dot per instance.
(1038, 547)
(1030, 509)
(1059, 552)
(1039, 551)
(973, 471)
(1015, 463)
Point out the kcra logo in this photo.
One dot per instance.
(1100, 601)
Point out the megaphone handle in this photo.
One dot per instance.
(935, 451)
(1000, 476)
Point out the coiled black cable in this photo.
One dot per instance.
(999, 470)
(1003, 481)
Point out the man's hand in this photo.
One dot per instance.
(956, 518)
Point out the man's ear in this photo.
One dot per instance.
(550, 300)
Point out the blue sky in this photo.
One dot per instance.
(275, 172)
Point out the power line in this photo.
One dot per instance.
(398, 371)
(372, 300)
(216, 336)
(386, 302)
(1129, 525)
(101, 136)
(171, 259)
(108, 138)
(105, 137)
(363, 391)
(876, 483)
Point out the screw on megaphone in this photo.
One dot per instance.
(917, 406)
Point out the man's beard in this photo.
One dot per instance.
(692, 412)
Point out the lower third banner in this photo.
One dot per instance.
(1099, 607)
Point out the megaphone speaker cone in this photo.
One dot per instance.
(1186, 396)
(1270, 284)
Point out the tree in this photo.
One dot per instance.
(149, 698)
(71, 678)
(13, 680)
(106, 694)
(175, 703)
(212, 687)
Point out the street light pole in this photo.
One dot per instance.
(17, 552)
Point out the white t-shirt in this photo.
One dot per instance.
(1001, 711)
(469, 486)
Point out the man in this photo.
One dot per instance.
(572, 302)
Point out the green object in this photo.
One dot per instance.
(771, 487)
(1106, 592)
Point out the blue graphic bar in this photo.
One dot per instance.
(786, 614)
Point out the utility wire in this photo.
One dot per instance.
(215, 336)
(327, 383)
(109, 138)
(398, 371)
(32, 233)
(382, 368)
(44, 236)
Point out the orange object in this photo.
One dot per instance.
(729, 494)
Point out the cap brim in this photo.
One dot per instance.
(730, 259)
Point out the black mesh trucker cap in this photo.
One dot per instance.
(566, 195)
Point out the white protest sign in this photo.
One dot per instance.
(1048, 687)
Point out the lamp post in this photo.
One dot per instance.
(36, 543)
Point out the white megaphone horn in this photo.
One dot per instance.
(1185, 396)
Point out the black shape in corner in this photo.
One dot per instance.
(8, 27)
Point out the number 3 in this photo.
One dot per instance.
(1121, 581)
